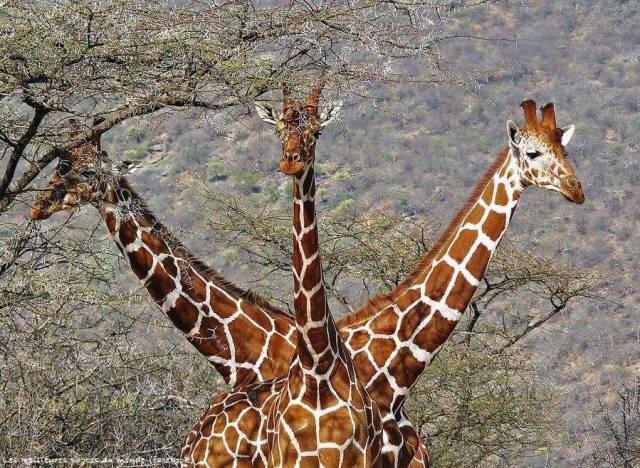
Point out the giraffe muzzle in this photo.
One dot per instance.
(39, 212)
(572, 190)
(291, 164)
(52, 201)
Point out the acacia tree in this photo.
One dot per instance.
(376, 250)
(106, 62)
(615, 429)
(72, 352)
(81, 373)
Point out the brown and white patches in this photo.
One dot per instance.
(478, 262)
(358, 339)
(384, 347)
(438, 281)
(403, 366)
(387, 323)
(501, 198)
(463, 293)
(236, 336)
(462, 245)
(233, 431)
(243, 329)
(494, 225)
(411, 316)
(549, 169)
(207, 309)
(487, 195)
(475, 215)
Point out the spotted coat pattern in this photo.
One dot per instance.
(216, 319)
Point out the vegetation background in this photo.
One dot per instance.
(91, 368)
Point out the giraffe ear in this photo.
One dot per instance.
(267, 113)
(567, 133)
(513, 134)
(328, 115)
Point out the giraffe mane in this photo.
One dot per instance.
(199, 265)
(384, 300)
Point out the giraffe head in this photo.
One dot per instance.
(540, 151)
(298, 126)
(82, 176)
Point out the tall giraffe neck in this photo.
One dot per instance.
(324, 414)
(399, 335)
(317, 332)
(447, 285)
(237, 331)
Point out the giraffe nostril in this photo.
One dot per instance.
(573, 184)
(295, 157)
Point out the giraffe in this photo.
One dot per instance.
(233, 429)
(394, 337)
(323, 415)
(241, 334)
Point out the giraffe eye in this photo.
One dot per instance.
(533, 154)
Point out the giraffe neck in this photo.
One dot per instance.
(316, 328)
(444, 285)
(233, 334)
(394, 337)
